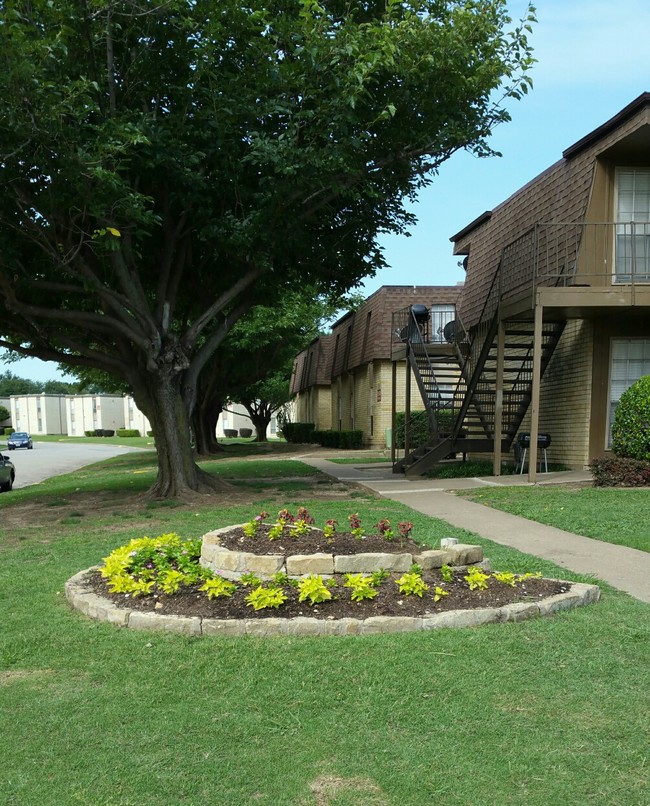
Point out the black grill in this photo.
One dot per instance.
(543, 440)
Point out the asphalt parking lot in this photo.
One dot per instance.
(48, 459)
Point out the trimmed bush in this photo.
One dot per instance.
(230, 433)
(8, 431)
(631, 429)
(245, 432)
(89, 433)
(339, 439)
(128, 432)
(298, 432)
(149, 433)
(109, 432)
(620, 472)
(419, 428)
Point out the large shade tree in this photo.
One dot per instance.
(164, 166)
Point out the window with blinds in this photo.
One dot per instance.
(632, 225)
(630, 360)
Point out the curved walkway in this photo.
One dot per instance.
(624, 568)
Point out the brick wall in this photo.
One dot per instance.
(565, 397)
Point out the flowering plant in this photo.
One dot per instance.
(383, 527)
(355, 525)
(330, 527)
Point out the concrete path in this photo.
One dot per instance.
(624, 568)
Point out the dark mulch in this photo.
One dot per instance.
(314, 542)
(388, 602)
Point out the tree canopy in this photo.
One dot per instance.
(165, 166)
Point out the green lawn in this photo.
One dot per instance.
(613, 515)
(547, 711)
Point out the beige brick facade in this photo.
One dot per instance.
(565, 397)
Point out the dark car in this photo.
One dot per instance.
(7, 474)
(19, 439)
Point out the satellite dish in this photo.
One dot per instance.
(449, 331)
(453, 332)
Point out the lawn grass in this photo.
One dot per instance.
(545, 711)
(617, 516)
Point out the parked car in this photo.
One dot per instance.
(7, 474)
(19, 439)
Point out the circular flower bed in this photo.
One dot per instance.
(165, 575)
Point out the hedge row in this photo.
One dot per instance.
(299, 432)
(100, 432)
(338, 439)
(620, 472)
(419, 427)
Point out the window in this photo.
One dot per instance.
(632, 225)
(630, 360)
(441, 315)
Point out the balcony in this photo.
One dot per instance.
(577, 266)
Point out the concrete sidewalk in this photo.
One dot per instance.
(624, 568)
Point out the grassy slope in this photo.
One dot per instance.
(546, 711)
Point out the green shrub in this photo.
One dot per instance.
(298, 432)
(620, 472)
(5, 414)
(631, 429)
(419, 428)
(128, 432)
(339, 439)
(149, 433)
(89, 433)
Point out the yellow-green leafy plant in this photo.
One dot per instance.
(476, 579)
(170, 580)
(529, 575)
(506, 578)
(384, 529)
(151, 561)
(313, 589)
(362, 586)
(262, 598)
(439, 593)
(330, 527)
(299, 527)
(379, 576)
(355, 525)
(218, 586)
(277, 529)
(412, 584)
(303, 515)
(446, 573)
(123, 583)
(250, 580)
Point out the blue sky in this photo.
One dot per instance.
(593, 59)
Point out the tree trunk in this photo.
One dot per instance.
(162, 401)
(204, 425)
(260, 422)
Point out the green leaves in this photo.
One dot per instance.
(631, 428)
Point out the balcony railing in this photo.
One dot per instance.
(576, 254)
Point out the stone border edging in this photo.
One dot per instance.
(232, 563)
(86, 601)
